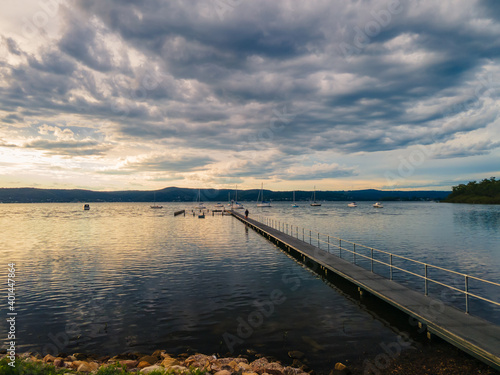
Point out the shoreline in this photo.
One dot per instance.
(431, 358)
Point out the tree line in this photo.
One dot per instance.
(487, 191)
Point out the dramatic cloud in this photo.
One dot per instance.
(294, 93)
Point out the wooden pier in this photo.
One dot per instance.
(471, 334)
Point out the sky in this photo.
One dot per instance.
(332, 95)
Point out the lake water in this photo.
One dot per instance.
(123, 277)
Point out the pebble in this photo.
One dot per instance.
(147, 370)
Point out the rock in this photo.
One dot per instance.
(178, 369)
(295, 354)
(85, 367)
(148, 358)
(76, 364)
(59, 362)
(273, 371)
(292, 371)
(340, 369)
(147, 370)
(243, 366)
(251, 351)
(158, 354)
(49, 358)
(340, 366)
(129, 363)
(143, 364)
(169, 362)
(233, 364)
(223, 372)
(80, 356)
(222, 364)
(249, 373)
(259, 363)
(198, 360)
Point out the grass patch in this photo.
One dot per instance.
(23, 367)
(26, 367)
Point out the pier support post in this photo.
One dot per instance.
(426, 282)
(390, 263)
(466, 294)
(371, 250)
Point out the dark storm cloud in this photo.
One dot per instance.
(478, 148)
(70, 147)
(83, 42)
(215, 81)
(12, 46)
(161, 163)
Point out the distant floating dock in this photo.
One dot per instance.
(471, 334)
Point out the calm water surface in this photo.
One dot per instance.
(123, 277)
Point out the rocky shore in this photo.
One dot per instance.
(430, 359)
(161, 362)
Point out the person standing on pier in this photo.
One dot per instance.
(246, 213)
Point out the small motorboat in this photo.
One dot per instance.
(86, 207)
(378, 205)
(218, 205)
(352, 204)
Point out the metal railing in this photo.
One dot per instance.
(369, 254)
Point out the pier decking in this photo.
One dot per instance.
(471, 334)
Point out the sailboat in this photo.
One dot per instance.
(314, 203)
(294, 204)
(234, 204)
(200, 205)
(260, 198)
(155, 205)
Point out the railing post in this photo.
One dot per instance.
(371, 250)
(390, 262)
(286, 228)
(318, 241)
(466, 294)
(354, 253)
(303, 237)
(340, 248)
(426, 283)
(310, 238)
(328, 243)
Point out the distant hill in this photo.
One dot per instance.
(487, 191)
(174, 194)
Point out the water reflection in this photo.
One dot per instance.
(124, 277)
(478, 217)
